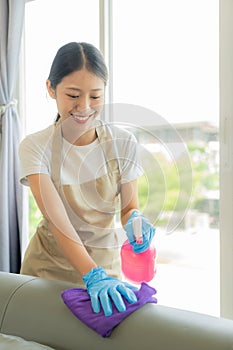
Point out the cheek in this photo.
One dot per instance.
(63, 109)
(98, 106)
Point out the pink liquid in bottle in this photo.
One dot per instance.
(139, 267)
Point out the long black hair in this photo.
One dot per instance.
(73, 57)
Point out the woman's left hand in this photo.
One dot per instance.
(147, 230)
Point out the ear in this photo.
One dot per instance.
(51, 91)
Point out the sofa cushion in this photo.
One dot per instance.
(10, 342)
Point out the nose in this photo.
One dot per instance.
(83, 104)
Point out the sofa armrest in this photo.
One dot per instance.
(32, 308)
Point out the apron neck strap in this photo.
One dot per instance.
(56, 155)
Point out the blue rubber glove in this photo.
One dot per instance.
(104, 289)
(148, 232)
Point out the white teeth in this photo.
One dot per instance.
(80, 118)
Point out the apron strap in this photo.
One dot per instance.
(56, 156)
(108, 146)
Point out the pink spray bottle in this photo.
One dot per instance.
(138, 267)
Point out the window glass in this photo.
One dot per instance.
(49, 24)
(166, 90)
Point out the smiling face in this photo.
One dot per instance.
(79, 97)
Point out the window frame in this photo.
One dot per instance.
(226, 158)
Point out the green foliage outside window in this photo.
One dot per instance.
(159, 188)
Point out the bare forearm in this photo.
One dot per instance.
(60, 225)
(129, 200)
(125, 217)
(74, 251)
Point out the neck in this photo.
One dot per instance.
(76, 136)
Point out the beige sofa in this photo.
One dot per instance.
(32, 309)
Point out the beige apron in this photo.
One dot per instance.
(91, 208)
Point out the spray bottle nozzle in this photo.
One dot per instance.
(137, 229)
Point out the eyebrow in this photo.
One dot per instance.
(76, 89)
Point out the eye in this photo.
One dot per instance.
(95, 97)
(73, 96)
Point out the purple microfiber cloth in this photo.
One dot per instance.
(78, 301)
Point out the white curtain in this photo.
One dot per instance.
(11, 195)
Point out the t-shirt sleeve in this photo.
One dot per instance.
(33, 159)
(130, 163)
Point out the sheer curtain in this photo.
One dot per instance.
(11, 195)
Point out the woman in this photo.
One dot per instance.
(77, 169)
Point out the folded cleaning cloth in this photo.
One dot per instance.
(78, 301)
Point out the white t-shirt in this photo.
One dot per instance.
(80, 163)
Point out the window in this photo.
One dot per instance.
(165, 88)
(50, 24)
